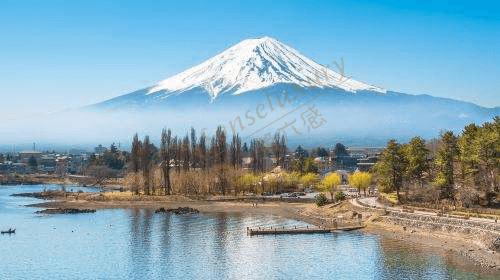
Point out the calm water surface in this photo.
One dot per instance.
(138, 244)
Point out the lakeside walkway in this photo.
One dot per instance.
(373, 203)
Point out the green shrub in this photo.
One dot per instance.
(321, 199)
(339, 196)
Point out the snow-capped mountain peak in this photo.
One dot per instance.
(254, 64)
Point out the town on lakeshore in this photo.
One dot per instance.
(249, 139)
(26, 165)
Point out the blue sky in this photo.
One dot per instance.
(62, 54)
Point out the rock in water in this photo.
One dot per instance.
(178, 211)
(160, 210)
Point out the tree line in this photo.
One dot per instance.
(462, 170)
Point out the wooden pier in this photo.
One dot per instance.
(299, 230)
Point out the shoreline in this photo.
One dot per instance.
(72, 180)
(452, 245)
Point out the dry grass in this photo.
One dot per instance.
(130, 196)
(390, 197)
(477, 215)
(127, 195)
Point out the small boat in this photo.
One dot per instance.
(10, 231)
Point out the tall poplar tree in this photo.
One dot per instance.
(135, 160)
(166, 154)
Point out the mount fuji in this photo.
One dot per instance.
(249, 66)
(261, 85)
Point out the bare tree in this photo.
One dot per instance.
(220, 155)
(235, 151)
(186, 155)
(101, 173)
(177, 144)
(202, 152)
(283, 150)
(279, 149)
(212, 153)
(146, 160)
(166, 154)
(135, 160)
(257, 152)
(194, 154)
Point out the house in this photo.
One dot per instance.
(268, 163)
(62, 165)
(100, 150)
(25, 156)
(47, 163)
(10, 167)
(246, 162)
(77, 163)
(346, 162)
(77, 151)
(366, 164)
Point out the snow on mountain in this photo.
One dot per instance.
(255, 64)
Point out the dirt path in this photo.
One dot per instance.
(373, 202)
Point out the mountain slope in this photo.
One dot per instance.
(250, 65)
(255, 64)
(243, 87)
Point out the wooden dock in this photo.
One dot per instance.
(299, 230)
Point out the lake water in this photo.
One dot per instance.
(138, 244)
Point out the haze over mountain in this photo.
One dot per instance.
(259, 86)
(256, 88)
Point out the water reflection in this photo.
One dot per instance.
(398, 257)
(165, 243)
(139, 244)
